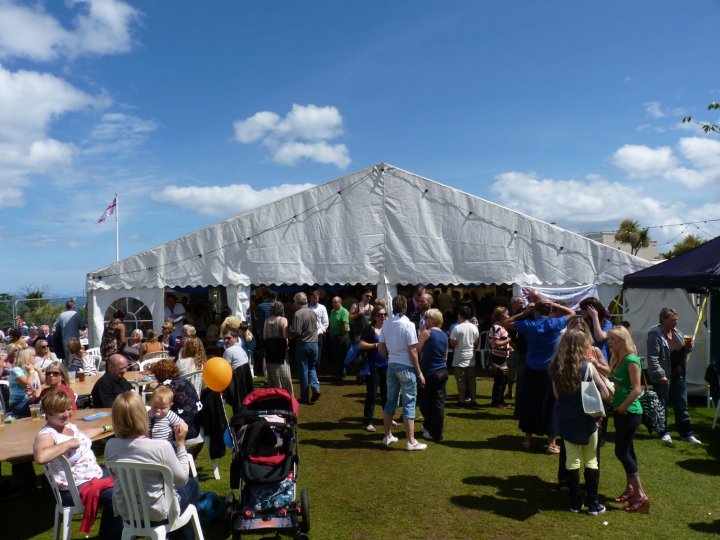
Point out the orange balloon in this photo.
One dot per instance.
(217, 374)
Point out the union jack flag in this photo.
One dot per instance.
(108, 211)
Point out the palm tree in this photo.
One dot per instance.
(630, 232)
(689, 242)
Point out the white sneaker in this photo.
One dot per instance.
(426, 435)
(666, 438)
(417, 446)
(692, 439)
(387, 441)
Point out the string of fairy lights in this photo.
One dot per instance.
(437, 194)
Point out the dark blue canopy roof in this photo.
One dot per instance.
(696, 269)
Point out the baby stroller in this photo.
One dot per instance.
(265, 466)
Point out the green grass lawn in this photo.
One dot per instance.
(477, 483)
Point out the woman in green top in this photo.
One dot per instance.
(627, 412)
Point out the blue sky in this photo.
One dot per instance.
(196, 111)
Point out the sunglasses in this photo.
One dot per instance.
(227, 338)
(384, 315)
(48, 373)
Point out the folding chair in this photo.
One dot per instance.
(483, 349)
(66, 512)
(196, 379)
(129, 482)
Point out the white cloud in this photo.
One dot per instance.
(701, 152)
(29, 102)
(653, 109)
(104, 28)
(303, 133)
(322, 152)
(225, 200)
(100, 27)
(577, 204)
(639, 161)
(118, 132)
(311, 123)
(29, 32)
(255, 127)
(691, 178)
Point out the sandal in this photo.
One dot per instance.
(625, 497)
(370, 428)
(641, 506)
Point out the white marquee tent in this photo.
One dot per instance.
(381, 225)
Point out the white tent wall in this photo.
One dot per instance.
(238, 301)
(605, 292)
(642, 309)
(100, 301)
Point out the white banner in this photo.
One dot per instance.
(571, 296)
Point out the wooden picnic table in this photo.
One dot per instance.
(85, 388)
(16, 440)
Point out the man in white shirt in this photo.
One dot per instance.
(398, 342)
(464, 338)
(174, 312)
(242, 383)
(323, 321)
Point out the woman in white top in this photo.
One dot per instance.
(130, 424)
(43, 355)
(58, 437)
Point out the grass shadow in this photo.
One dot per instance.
(509, 443)
(327, 426)
(700, 466)
(476, 414)
(712, 528)
(517, 497)
(364, 441)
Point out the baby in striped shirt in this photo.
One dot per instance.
(162, 420)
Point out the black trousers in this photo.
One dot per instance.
(432, 402)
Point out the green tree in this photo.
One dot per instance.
(6, 310)
(689, 242)
(707, 127)
(36, 309)
(629, 232)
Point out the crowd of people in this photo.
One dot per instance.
(405, 353)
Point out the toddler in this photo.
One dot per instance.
(161, 419)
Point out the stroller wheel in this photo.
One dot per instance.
(305, 508)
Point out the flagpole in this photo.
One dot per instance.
(117, 229)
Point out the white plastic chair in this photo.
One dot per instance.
(95, 351)
(200, 439)
(129, 483)
(158, 355)
(149, 362)
(66, 512)
(484, 349)
(196, 379)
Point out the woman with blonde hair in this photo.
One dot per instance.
(192, 356)
(57, 379)
(433, 350)
(130, 425)
(578, 430)
(25, 378)
(627, 413)
(43, 355)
